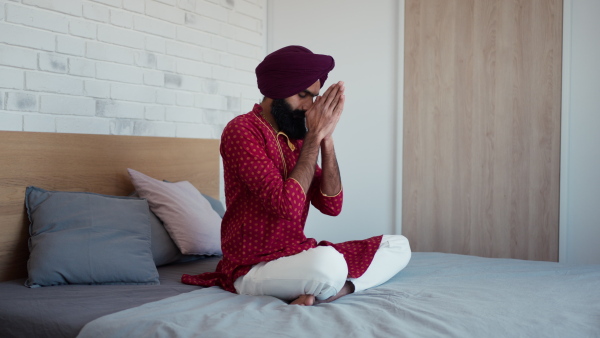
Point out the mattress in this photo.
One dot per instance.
(435, 295)
(61, 311)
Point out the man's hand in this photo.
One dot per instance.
(323, 116)
(321, 120)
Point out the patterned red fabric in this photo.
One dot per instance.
(266, 211)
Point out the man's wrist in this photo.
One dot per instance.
(312, 138)
(327, 143)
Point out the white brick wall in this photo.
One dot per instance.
(176, 68)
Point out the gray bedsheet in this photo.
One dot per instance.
(437, 295)
(61, 311)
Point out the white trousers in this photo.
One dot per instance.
(322, 271)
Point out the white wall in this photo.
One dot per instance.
(177, 68)
(580, 169)
(362, 37)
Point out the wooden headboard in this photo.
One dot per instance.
(93, 163)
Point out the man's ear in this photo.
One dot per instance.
(266, 105)
(267, 101)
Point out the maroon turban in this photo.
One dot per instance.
(290, 70)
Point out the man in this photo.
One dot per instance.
(271, 178)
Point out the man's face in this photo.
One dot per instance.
(289, 113)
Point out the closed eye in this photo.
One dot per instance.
(306, 93)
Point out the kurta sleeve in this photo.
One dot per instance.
(329, 205)
(243, 152)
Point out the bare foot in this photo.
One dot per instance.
(308, 300)
(304, 300)
(347, 289)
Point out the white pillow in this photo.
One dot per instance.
(188, 217)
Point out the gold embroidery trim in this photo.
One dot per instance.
(336, 195)
(300, 185)
(278, 145)
(289, 143)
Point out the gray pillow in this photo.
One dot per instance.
(216, 205)
(164, 250)
(86, 238)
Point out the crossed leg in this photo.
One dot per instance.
(319, 275)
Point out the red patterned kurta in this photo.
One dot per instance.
(266, 211)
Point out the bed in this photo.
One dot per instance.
(437, 294)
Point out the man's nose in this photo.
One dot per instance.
(306, 105)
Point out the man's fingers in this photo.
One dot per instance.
(340, 104)
(327, 109)
(332, 95)
(339, 108)
(336, 100)
(327, 92)
(340, 91)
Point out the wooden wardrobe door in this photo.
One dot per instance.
(482, 97)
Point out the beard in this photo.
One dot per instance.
(290, 121)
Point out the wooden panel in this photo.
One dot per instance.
(94, 163)
(482, 127)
